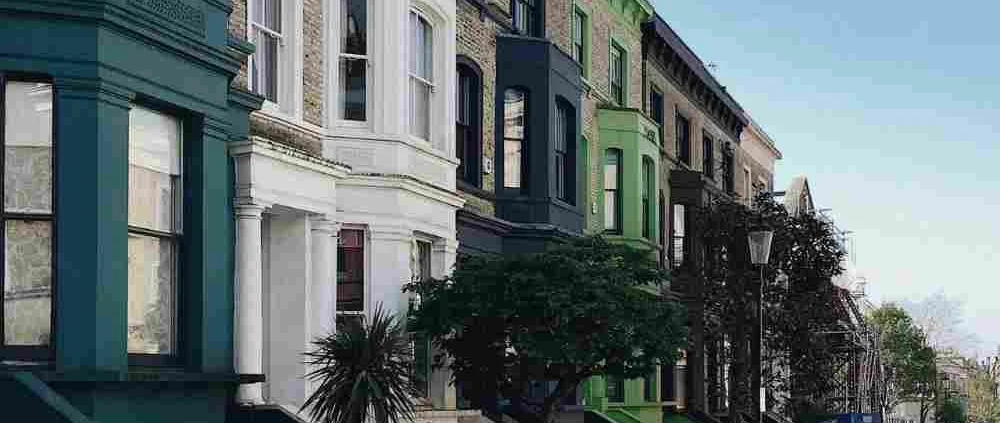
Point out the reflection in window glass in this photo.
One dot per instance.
(27, 220)
(612, 190)
(421, 77)
(154, 205)
(265, 34)
(514, 105)
(353, 59)
(678, 247)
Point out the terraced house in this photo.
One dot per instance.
(345, 189)
(118, 291)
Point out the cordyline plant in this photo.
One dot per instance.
(801, 304)
(363, 371)
(579, 310)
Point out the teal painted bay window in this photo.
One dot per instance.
(28, 210)
(154, 234)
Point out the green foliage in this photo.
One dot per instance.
(586, 308)
(363, 372)
(984, 406)
(910, 369)
(802, 307)
(949, 410)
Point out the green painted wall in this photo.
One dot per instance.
(634, 408)
(629, 130)
(103, 56)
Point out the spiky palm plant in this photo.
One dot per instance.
(363, 371)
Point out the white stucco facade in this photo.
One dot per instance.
(387, 185)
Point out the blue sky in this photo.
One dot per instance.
(892, 110)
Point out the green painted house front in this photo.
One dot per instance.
(630, 154)
(118, 295)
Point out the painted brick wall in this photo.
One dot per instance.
(604, 24)
(312, 62)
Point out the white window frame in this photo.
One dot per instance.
(429, 84)
(334, 49)
(289, 96)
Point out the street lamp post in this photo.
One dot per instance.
(760, 252)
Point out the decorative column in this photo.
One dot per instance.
(249, 302)
(443, 394)
(323, 279)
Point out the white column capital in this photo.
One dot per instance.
(324, 224)
(248, 208)
(390, 233)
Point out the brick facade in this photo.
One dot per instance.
(476, 40)
(312, 62)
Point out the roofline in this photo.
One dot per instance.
(768, 141)
(676, 43)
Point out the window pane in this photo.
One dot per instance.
(513, 111)
(27, 282)
(610, 210)
(352, 88)
(421, 57)
(151, 276)
(353, 32)
(268, 14)
(154, 170)
(28, 151)
(420, 115)
(351, 270)
(265, 65)
(611, 170)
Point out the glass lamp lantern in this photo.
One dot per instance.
(760, 245)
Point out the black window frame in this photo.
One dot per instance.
(188, 127)
(468, 147)
(524, 140)
(656, 108)
(525, 12)
(679, 243)
(708, 155)
(682, 133)
(729, 172)
(564, 151)
(31, 353)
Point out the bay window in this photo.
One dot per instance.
(154, 230)
(514, 115)
(421, 343)
(353, 60)
(612, 190)
(27, 219)
(421, 76)
(265, 33)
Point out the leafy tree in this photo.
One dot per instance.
(363, 371)
(950, 410)
(910, 370)
(982, 385)
(801, 304)
(578, 310)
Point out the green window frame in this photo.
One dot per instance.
(613, 190)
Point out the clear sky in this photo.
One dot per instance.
(892, 110)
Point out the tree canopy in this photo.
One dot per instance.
(911, 371)
(587, 308)
(802, 307)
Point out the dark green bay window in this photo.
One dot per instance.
(154, 233)
(28, 211)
